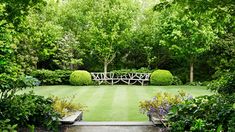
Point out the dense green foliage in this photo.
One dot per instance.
(102, 27)
(19, 110)
(128, 35)
(194, 39)
(126, 71)
(29, 109)
(161, 77)
(225, 84)
(48, 77)
(205, 113)
(80, 77)
(187, 33)
(6, 126)
(10, 85)
(12, 15)
(176, 81)
(200, 33)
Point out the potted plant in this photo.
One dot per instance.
(158, 107)
(69, 111)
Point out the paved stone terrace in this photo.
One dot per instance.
(114, 127)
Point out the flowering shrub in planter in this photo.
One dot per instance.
(159, 106)
(69, 111)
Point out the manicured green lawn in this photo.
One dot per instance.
(114, 103)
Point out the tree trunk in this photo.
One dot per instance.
(105, 69)
(191, 72)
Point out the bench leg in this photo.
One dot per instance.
(100, 82)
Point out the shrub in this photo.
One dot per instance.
(207, 113)
(161, 103)
(195, 84)
(198, 83)
(225, 84)
(31, 81)
(161, 77)
(30, 110)
(9, 85)
(48, 77)
(65, 106)
(231, 123)
(176, 81)
(206, 83)
(80, 77)
(5, 126)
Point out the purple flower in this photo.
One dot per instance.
(152, 109)
(190, 97)
(162, 111)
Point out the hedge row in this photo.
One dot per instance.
(126, 71)
(80, 77)
(48, 77)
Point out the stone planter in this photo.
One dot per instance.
(76, 116)
(155, 119)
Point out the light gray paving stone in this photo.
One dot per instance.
(113, 123)
(115, 129)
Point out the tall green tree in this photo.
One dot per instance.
(185, 29)
(109, 29)
(103, 27)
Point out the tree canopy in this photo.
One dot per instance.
(176, 35)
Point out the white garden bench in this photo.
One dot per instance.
(113, 78)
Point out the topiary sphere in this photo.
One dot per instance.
(161, 77)
(80, 77)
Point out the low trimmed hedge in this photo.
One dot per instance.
(161, 77)
(48, 77)
(80, 77)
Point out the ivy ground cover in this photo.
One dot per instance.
(114, 103)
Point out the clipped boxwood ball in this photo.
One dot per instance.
(161, 77)
(80, 77)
